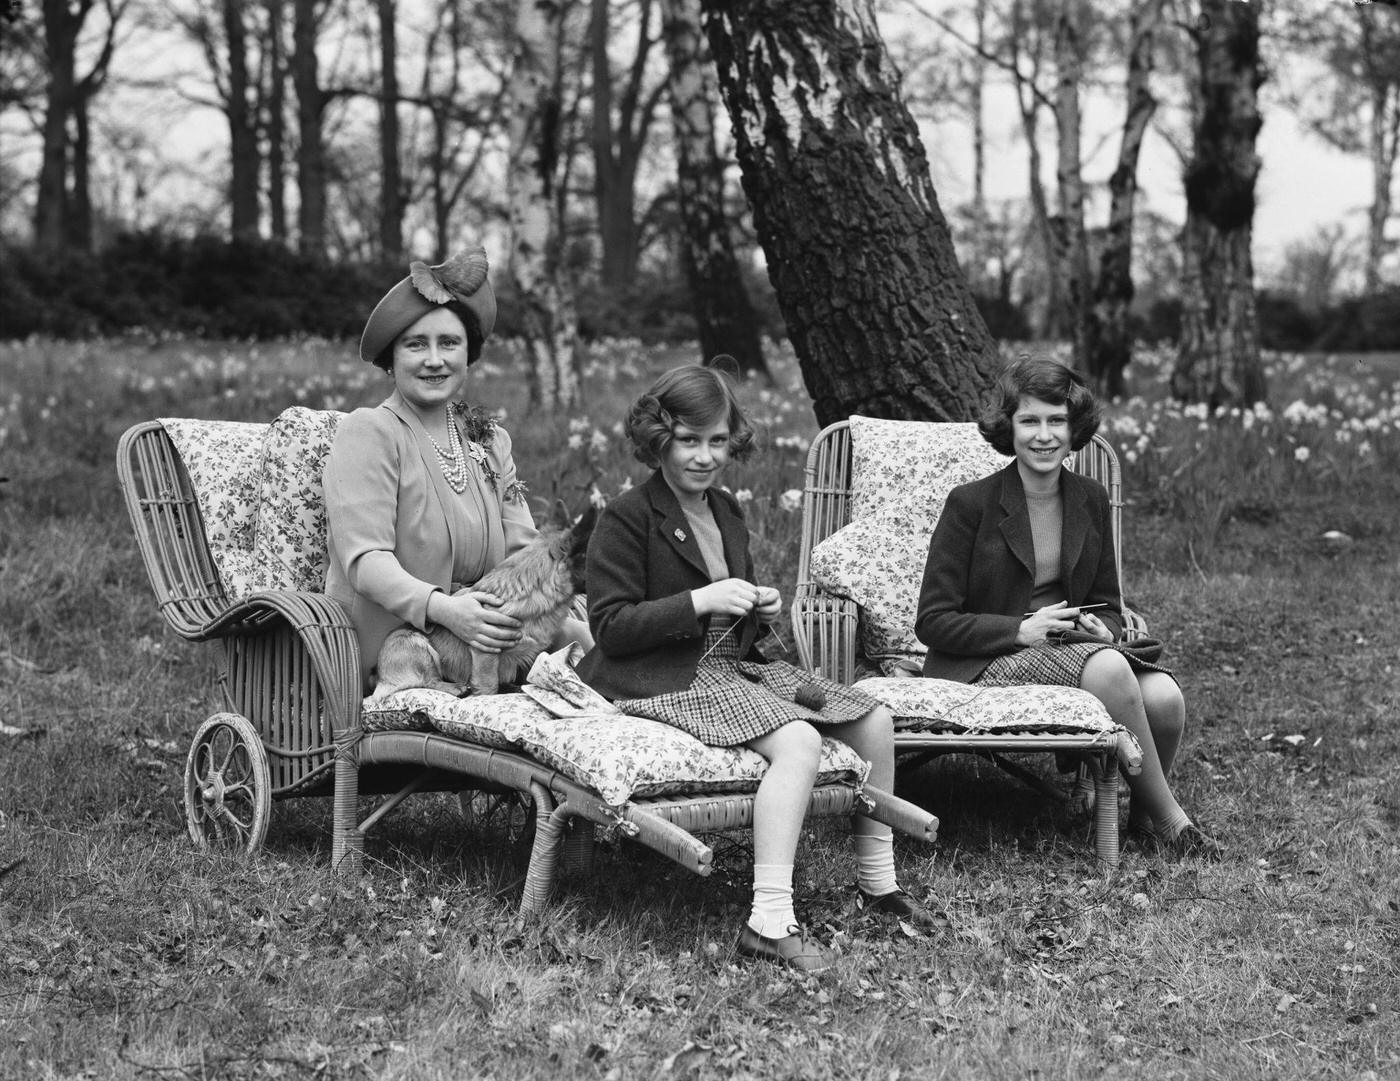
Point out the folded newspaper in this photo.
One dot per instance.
(553, 683)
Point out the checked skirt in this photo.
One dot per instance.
(732, 701)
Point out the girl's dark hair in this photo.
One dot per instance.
(1049, 381)
(475, 339)
(691, 395)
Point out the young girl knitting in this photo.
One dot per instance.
(675, 611)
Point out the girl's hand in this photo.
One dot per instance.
(1037, 627)
(727, 597)
(475, 618)
(770, 604)
(1092, 624)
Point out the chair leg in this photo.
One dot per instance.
(578, 847)
(1104, 770)
(347, 842)
(544, 853)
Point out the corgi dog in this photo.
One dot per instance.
(537, 586)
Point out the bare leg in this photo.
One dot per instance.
(1110, 679)
(1166, 714)
(780, 804)
(871, 737)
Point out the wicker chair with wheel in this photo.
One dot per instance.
(229, 519)
(871, 497)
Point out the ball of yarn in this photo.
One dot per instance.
(810, 696)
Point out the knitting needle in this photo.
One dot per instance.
(1081, 607)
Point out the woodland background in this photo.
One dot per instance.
(586, 143)
(653, 181)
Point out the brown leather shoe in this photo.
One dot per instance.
(904, 907)
(795, 950)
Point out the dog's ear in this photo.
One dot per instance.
(582, 530)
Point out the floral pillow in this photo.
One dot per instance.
(878, 562)
(904, 467)
(943, 705)
(289, 536)
(618, 756)
(223, 459)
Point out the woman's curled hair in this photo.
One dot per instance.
(691, 395)
(1048, 381)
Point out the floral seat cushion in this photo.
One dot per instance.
(618, 756)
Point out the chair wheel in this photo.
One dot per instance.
(228, 791)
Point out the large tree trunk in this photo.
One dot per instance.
(724, 315)
(311, 151)
(549, 324)
(244, 156)
(276, 124)
(859, 252)
(391, 178)
(1218, 359)
(1069, 72)
(1109, 344)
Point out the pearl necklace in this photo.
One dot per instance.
(452, 461)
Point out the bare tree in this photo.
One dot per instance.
(1108, 345)
(1071, 26)
(275, 79)
(63, 206)
(311, 150)
(859, 252)
(391, 195)
(1358, 109)
(1218, 360)
(724, 315)
(548, 318)
(221, 30)
(620, 132)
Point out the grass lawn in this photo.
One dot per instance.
(126, 953)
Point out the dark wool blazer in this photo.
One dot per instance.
(643, 561)
(981, 569)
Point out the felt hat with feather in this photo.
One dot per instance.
(461, 279)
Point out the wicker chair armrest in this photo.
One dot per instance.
(1134, 626)
(329, 650)
(824, 631)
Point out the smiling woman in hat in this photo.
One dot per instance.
(421, 490)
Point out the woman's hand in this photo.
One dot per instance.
(729, 597)
(474, 617)
(1092, 624)
(1055, 619)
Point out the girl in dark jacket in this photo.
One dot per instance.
(675, 611)
(1024, 559)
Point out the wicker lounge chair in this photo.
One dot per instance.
(866, 520)
(239, 562)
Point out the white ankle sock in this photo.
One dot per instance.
(875, 863)
(772, 915)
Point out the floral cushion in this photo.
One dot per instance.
(618, 756)
(289, 536)
(222, 458)
(901, 473)
(903, 467)
(943, 705)
(878, 562)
